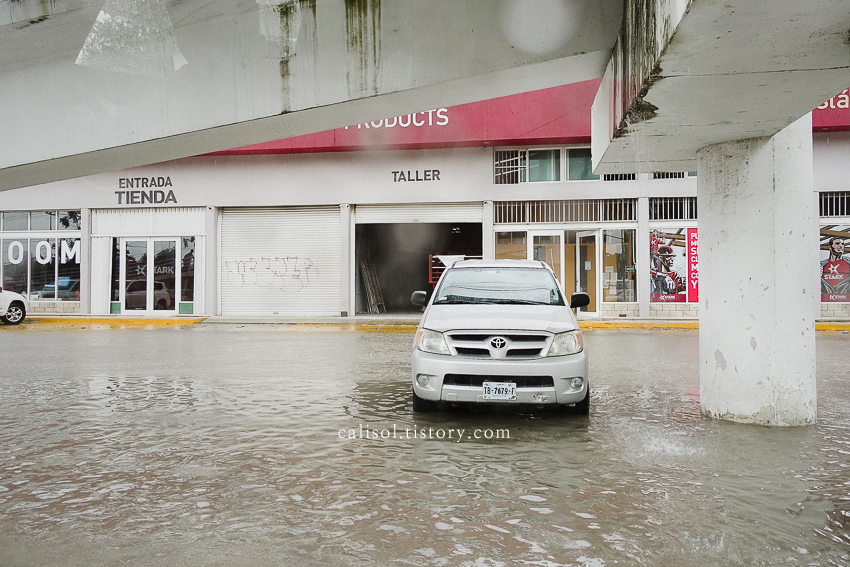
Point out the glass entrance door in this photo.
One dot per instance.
(548, 247)
(149, 282)
(586, 267)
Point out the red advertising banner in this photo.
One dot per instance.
(558, 116)
(693, 266)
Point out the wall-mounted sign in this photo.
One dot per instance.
(423, 175)
(154, 195)
(434, 117)
(841, 100)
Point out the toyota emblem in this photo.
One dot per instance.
(498, 342)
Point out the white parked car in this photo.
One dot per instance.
(499, 332)
(13, 307)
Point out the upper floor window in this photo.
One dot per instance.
(527, 166)
(544, 165)
(580, 165)
(540, 165)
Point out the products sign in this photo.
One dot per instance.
(834, 264)
(673, 265)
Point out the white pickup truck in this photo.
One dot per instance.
(499, 332)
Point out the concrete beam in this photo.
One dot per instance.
(686, 74)
(88, 87)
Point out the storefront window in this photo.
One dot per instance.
(187, 278)
(511, 245)
(15, 265)
(164, 276)
(136, 274)
(42, 220)
(116, 271)
(15, 221)
(42, 269)
(618, 266)
(68, 280)
(673, 265)
(547, 248)
(30, 267)
(544, 165)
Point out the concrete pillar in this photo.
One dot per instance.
(642, 259)
(758, 231)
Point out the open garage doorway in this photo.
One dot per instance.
(401, 254)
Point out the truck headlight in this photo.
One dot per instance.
(571, 342)
(431, 341)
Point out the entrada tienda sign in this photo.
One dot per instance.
(155, 193)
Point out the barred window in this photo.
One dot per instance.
(668, 175)
(620, 177)
(673, 208)
(508, 165)
(579, 210)
(834, 204)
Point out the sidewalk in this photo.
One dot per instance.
(400, 322)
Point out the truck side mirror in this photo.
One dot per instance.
(420, 298)
(579, 299)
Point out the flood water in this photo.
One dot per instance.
(229, 445)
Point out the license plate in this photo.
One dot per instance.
(499, 391)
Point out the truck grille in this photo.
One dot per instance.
(493, 344)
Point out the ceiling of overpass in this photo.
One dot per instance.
(89, 86)
(712, 72)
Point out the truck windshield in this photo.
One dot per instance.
(533, 286)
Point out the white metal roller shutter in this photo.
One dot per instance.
(419, 213)
(280, 261)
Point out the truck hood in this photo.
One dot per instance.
(552, 318)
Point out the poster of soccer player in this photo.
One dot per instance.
(834, 263)
(673, 265)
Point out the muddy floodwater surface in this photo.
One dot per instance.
(265, 445)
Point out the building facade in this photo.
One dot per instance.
(295, 227)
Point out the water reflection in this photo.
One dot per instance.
(225, 448)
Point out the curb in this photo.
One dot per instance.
(114, 322)
(637, 325)
(369, 326)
